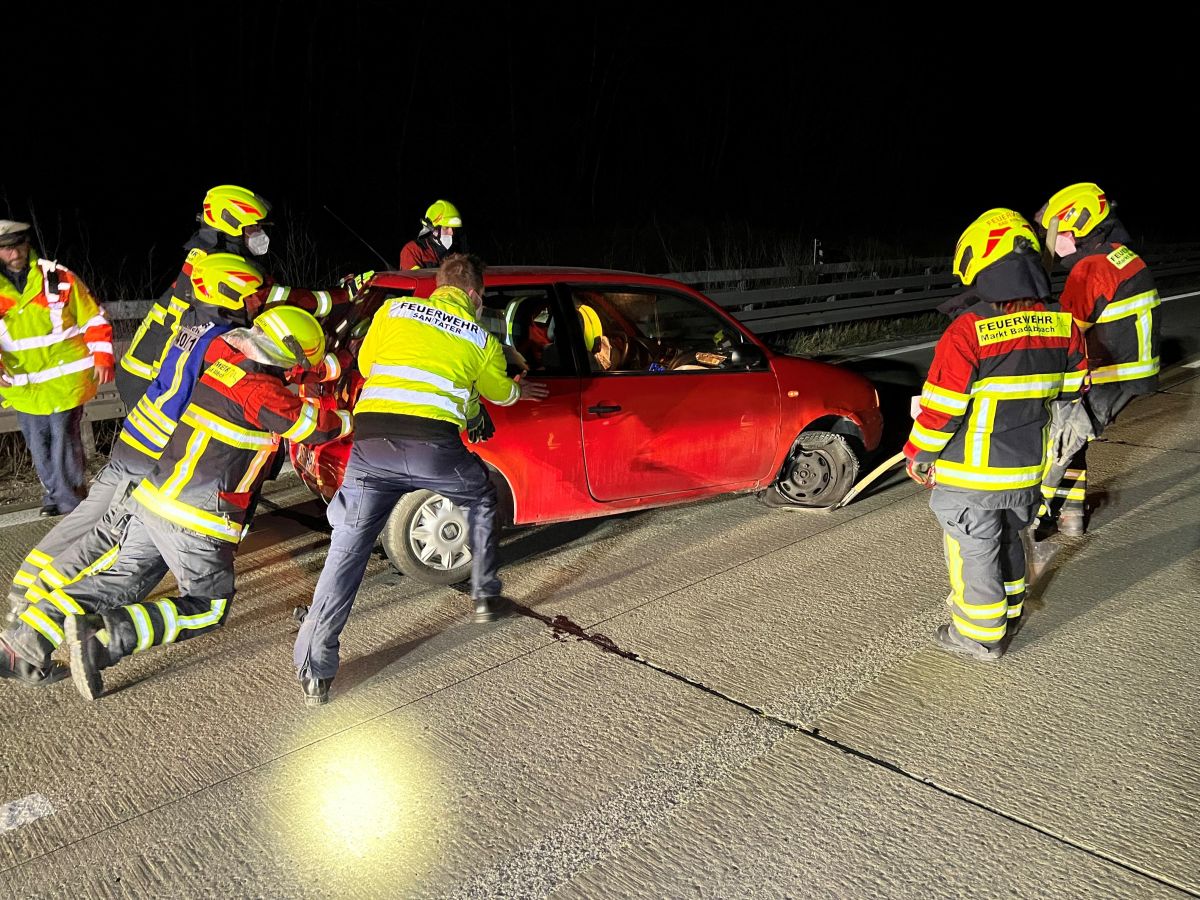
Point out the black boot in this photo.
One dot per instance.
(88, 640)
(18, 669)
(488, 609)
(316, 690)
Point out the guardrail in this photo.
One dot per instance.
(784, 299)
(767, 300)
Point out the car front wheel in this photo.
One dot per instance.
(426, 538)
(820, 472)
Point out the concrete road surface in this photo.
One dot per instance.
(719, 700)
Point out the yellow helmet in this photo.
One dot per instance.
(990, 238)
(442, 213)
(230, 208)
(592, 328)
(1078, 208)
(225, 280)
(295, 333)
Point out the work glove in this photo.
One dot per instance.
(920, 472)
(480, 426)
(1070, 429)
(354, 283)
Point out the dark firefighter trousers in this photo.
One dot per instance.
(80, 540)
(1068, 494)
(150, 546)
(380, 471)
(986, 563)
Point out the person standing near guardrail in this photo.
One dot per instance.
(1111, 294)
(233, 219)
(55, 349)
(979, 440)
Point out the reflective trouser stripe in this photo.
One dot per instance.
(985, 560)
(43, 625)
(159, 622)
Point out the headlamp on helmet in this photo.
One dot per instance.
(989, 239)
(1078, 208)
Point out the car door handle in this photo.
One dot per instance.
(601, 409)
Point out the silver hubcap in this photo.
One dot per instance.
(438, 535)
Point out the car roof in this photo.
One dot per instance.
(500, 276)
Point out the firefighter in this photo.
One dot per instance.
(981, 434)
(218, 282)
(189, 514)
(441, 232)
(426, 364)
(1111, 294)
(232, 220)
(55, 349)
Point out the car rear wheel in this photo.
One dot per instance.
(426, 538)
(820, 472)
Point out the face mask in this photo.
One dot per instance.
(257, 243)
(1064, 244)
(446, 240)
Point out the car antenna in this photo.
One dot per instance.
(386, 264)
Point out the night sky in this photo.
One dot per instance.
(609, 135)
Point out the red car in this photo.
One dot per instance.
(657, 396)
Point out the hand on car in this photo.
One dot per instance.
(480, 426)
(532, 390)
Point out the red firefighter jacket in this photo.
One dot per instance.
(227, 435)
(984, 416)
(1112, 296)
(423, 253)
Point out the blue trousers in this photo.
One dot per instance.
(380, 471)
(56, 444)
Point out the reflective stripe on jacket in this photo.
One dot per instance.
(1112, 296)
(52, 336)
(150, 424)
(218, 454)
(985, 405)
(152, 340)
(432, 358)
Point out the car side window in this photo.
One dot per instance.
(524, 321)
(647, 331)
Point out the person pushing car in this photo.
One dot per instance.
(426, 363)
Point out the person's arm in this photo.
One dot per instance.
(272, 407)
(97, 331)
(945, 396)
(493, 383)
(319, 303)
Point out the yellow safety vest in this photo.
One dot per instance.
(432, 358)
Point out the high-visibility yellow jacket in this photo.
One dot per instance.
(52, 336)
(431, 358)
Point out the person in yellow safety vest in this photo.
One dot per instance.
(1111, 294)
(55, 349)
(441, 233)
(189, 514)
(426, 362)
(233, 219)
(981, 436)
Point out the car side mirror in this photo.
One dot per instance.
(746, 356)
